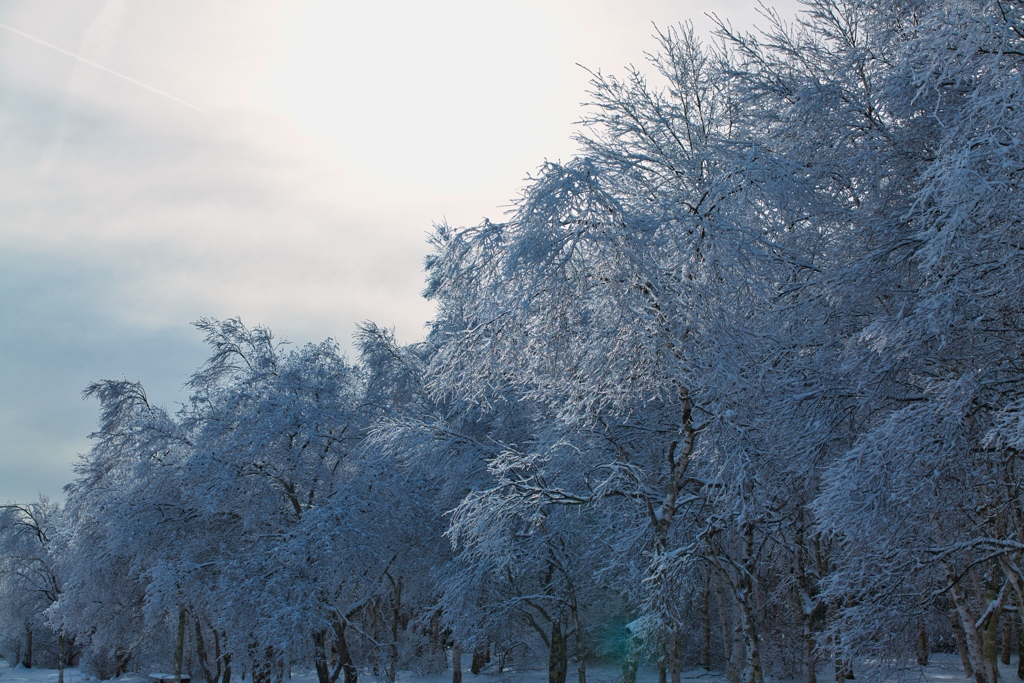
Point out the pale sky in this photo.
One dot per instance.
(166, 160)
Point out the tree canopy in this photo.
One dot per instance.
(740, 386)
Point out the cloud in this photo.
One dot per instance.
(338, 132)
(110, 249)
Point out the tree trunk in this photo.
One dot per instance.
(60, 656)
(179, 650)
(990, 649)
(810, 652)
(395, 622)
(457, 662)
(558, 662)
(203, 657)
(218, 660)
(731, 674)
(479, 660)
(26, 660)
(257, 671)
(806, 602)
(753, 672)
(268, 667)
(225, 676)
(746, 596)
(739, 650)
(323, 669)
(323, 672)
(1020, 642)
(121, 661)
(675, 664)
(1004, 651)
(437, 639)
(844, 668)
(631, 659)
(990, 635)
(922, 643)
(973, 639)
(840, 670)
(581, 642)
(344, 655)
(961, 643)
(705, 630)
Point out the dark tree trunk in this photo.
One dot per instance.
(558, 661)
(60, 657)
(1020, 643)
(457, 663)
(437, 639)
(179, 651)
(344, 655)
(749, 610)
(323, 674)
(121, 661)
(990, 640)
(805, 589)
(209, 675)
(396, 617)
(259, 674)
(675, 655)
(218, 659)
(922, 643)
(26, 660)
(581, 641)
(225, 676)
(1004, 651)
(728, 637)
(479, 660)
(323, 670)
(961, 643)
(844, 669)
(705, 628)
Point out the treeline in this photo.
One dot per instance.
(739, 387)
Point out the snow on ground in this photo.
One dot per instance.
(595, 674)
(943, 668)
(20, 674)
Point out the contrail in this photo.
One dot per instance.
(103, 68)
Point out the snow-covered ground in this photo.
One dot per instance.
(944, 668)
(595, 674)
(20, 674)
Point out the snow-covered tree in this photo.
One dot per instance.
(30, 583)
(742, 379)
(124, 519)
(938, 361)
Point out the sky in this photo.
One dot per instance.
(278, 160)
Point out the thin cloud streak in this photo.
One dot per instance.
(103, 68)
